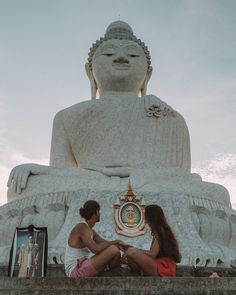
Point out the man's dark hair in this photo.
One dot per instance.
(90, 207)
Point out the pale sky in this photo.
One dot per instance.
(44, 46)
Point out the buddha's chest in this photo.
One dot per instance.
(115, 127)
(107, 119)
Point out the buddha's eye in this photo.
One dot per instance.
(133, 55)
(108, 53)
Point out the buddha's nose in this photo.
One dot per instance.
(121, 60)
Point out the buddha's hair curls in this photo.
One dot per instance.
(90, 207)
(169, 247)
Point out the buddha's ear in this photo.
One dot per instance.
(143, 89)
(93, 83)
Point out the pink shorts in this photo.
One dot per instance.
(84, 268)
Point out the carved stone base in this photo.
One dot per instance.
(204, 227)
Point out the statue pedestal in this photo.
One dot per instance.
(198, 212)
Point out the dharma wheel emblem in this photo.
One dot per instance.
(129, 214)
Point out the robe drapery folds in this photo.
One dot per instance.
(139, 132)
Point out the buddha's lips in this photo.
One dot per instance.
(120, 66)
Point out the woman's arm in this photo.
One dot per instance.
(154, 250)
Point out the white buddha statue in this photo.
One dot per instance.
(118, 135)
(99, 145)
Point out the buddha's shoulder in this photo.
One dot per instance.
(76, 109)
(153, 100)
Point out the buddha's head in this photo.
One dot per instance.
(119, 62)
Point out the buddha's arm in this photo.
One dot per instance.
(187, 158)
(183, 147)
(61, 155)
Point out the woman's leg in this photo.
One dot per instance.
(142, 261)
(134, 267)
(111, 256)
(115, 262)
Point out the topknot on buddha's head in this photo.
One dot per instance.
(122, 31)
(119, 25)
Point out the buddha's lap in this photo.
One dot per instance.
(190, 185)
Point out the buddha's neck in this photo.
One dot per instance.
(114, 94)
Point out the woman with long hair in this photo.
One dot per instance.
(164, 253)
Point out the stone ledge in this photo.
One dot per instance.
(122, 282)
(118, 285)
(57, 270)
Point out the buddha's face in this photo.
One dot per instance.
(119, 65)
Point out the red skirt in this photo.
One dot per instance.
(166, 267)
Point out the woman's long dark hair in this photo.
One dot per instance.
(169, 247)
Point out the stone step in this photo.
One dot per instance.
(122, 282)
(118, 285)
(57, 270)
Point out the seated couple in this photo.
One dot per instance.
(88, 254)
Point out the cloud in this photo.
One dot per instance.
(221, 169)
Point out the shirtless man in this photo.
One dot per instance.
(87, 254)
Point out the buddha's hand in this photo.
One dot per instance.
(19, 176)
(116, 170)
